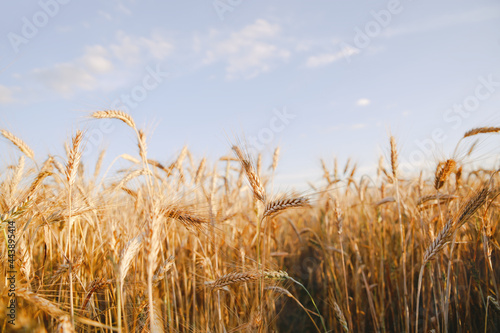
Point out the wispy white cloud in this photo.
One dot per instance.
(80, 73)
(324, 59)
(249, 52)
(363, 102)
(84, 72)
(132, 49)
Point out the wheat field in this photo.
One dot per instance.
(207, 246)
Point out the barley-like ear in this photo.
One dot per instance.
(252, 176)
(65, 325)
(74, 156)
(443, 171)
(281, 204)
(37, 182)
(276, 156)
(18, 143)
(17, 210)
(481, 130)
(163, 270)
(199, 171)
(465, 213)
(95, 285)
(132, 175)
(326, 173)
(17, 175)
(340, 316)
(437, 197)
(232, 278)
(141, 143)
(128, 254)
(115, 114)
(187, 218)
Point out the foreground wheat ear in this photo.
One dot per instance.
(178, 242)
(466, 211)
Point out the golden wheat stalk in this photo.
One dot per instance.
(252, 175)
(481, 130)
(453, 224)
(115, 114)
(74, 156)
(394, 157)
(466, 211)
(18, 143)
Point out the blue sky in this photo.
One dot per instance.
(319, 78)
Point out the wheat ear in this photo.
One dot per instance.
(18, 143)
(443, 171)
(481, 130)
(115, 114)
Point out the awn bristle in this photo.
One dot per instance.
(115, 114)
(18, 143)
